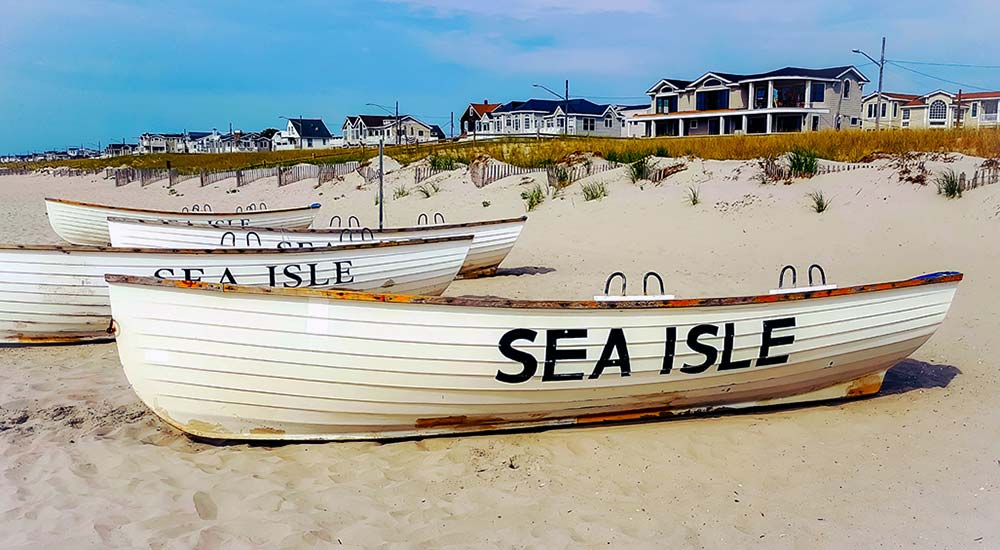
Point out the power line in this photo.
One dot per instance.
(936, 77)
(969, 65)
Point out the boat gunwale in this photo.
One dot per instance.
(406, 229)
(68, 249)
(538, 304)
(175, 213)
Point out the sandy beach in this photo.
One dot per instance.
(84, 464)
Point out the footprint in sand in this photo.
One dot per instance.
(205, 506)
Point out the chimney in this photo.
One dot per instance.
(486, 101)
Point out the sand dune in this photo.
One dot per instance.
(85, 465)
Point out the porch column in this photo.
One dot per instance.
(744, 127)
(809, 88)
(680, 127)
(770, 96)
(722, 125)
(652, 128)
(750, 98)
(768, 127)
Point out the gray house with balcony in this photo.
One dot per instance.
(791, 99)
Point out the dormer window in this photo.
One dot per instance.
(712, 82)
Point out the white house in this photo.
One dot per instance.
(578, 117)
(369, 129)
(305, 133)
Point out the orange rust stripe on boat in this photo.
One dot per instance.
(304, 250)
(387, 230)
(530, 304)
(175, 213)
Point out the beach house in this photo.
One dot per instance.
(937, 109)
(151, 143)
(368, 129)
(473, 115)
(120, 149)
(576, 117)
(790, 99)
(304, 133)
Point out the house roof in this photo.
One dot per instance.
(921, 101)
(310, 128)
(892, 95)
(826, 73)
(576, 106)
(484, 107)
(437, 132)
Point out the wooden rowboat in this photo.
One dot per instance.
(332, 365)
(58, 294)
(86, 224)
(492, 240)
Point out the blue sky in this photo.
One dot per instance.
(83, 72)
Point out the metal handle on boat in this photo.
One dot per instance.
(251, 207)
(422, 216)
(195, 208)
(349, 233)
(607, 284)
(339, 221)
(222, 241)
(371, 235)
(263, 206)
(206, 208)
(781, 278)
(253, 233)
(353, 221)
(436, 214)
(239, 209)
(822, 274)
(645, 279)
(185, 209)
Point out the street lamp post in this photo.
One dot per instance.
(565, 99)
(389, 111)
(881, 68)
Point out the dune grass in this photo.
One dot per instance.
(820, 203)
(594, 190)
(948, 184)
(843, 146)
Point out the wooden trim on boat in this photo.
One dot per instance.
(356, 246)
(175, 213)
(332, 229)
(945, 277)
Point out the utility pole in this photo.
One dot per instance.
(881, 69)
(566, 110)
(958, 109)
(397, 127)
(381, 201)
(453, 125)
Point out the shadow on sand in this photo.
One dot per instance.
(910, 374)
(524, 270)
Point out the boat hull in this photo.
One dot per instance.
(86, 224)
(490, 245)
(58, 295)
(332, 366)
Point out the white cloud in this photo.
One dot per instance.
(530, 9)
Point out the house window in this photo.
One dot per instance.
(906, 114)
(562, 122)
(711, 82)
(517, 124)
(938, 110)
(666, 104)
(549, 123)
(607, 122)
(815, 123)
(975, 110)
(420, 133)
(309, 142)
(871, 110)
(588, 124)
(847, 89)
(854, 121)
(895, 110)
(693, 125)
(527, 122)
(883, 110)
(818, 92)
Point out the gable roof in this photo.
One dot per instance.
(310, 128)
(826, 73)
(675, 83)
(575, 106)
(437, 132)
(484, 107)
(895, 96)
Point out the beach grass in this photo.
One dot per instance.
(843, 146)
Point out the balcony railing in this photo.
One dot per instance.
(988, 117)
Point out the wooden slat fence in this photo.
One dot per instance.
(244, 177)
(483, 174)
